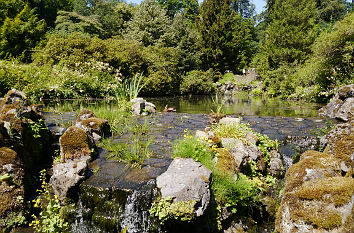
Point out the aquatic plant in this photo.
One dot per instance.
(50, 219)
(135, 149)
(218, 104)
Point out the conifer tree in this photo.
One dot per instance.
(226, 38)
(289, 35)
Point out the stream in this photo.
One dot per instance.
(119, 195)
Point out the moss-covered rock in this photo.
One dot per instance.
(93, 125)
(84, 114)
(317, 198)
(75, 143)
(226, 162)
(340, 143)
(11, 189)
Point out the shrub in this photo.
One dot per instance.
(227, 77)
(198, 82)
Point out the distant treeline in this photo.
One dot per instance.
(300, 48)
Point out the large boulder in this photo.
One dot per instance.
(342, 105)
(317, 198)
(186, 180)
(76, 143)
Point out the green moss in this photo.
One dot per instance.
(226, 162)
(338, 190)
(74, 143)
(342, 146)
(311, 160)
(94, 122)
(166, 209)
(7, 156)
(324, 219)
(85, 112)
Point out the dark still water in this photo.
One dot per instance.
(240, 104)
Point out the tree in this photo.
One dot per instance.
(47, 9)
(148, 24)
(189, 8)
(226, 38)
(243, 7)
(289, 35)
(330, 10)
(20, 33)
(72, 22)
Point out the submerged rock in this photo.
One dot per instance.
(342, 105)
(186, 180)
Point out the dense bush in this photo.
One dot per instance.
(198, 82)
(58, 81)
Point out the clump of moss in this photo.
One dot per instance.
(7, 156)
(226, 163)
(84, 114)
(323, 163)
(74, 144)
(338, 190)
(166, 209)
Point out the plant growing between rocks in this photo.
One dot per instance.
(50, 218)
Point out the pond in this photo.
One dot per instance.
(290, 122)
(240, 104)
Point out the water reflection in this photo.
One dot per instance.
(240, 104)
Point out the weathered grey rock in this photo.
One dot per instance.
(68, 175)
(340, 143)
(142, 107)
(201, 134)
(186, 180)
(229, 121)
(342, 105)
(97, 127)
(241, 151)
(14, 97)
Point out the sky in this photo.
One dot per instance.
(259, 4)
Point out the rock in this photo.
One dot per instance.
(140, 106)
(342, 105)
(340, 143)
(317, 198)
(201, 134)
(229, 121)
(11, 188)
(276, 166)
(76, 143)
(241, 151)
(85, 114)
(186, 180)
(13, 98)
(96, 126)
(68, 175)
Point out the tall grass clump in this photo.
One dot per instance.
(133, 149)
